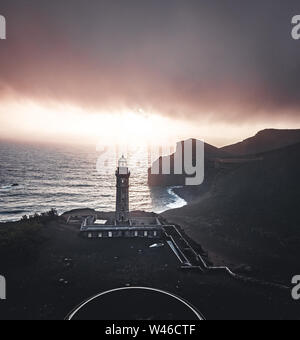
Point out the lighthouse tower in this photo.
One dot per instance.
(122, 204)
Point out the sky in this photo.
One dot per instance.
(82, 70)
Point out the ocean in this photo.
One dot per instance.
(35, 179)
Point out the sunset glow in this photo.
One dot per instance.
(65, 123)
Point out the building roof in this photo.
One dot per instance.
(116, 228)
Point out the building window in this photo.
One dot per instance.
(146, 233)
(110, 234)
(90, 235)
(100, 235)
(155, 234)
(136, 233)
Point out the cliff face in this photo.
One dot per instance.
(210, 153)
(252, 213)
(247, 207)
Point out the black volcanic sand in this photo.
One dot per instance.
(70, 269)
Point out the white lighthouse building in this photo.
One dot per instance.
(122, 198)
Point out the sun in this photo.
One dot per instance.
(138, 128)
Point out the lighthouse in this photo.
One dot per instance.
(135, 225)
(122, 202)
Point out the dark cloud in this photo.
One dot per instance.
(227, 59)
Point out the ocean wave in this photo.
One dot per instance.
(12, 212)
(179, 202)
(8, 187)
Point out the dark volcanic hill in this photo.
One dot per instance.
(210, 152)
(263, 141)
(251, 214)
